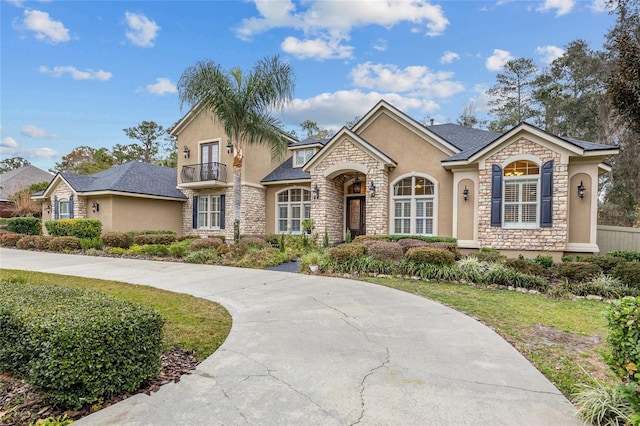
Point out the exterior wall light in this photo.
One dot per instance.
(581, 190)
(372, 190)
(95, 207)
(357, 186)
(465, 193)
(229, 146)
(48, 209)
(316, 192)
(186, 152)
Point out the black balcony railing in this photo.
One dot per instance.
(204, 172)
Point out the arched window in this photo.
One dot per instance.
(521, 188)
(293, 206)
(413, 203)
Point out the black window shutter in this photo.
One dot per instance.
(546, 199)
(496, 195)
(71, 207)
(195, 212)
(56, 214)
(222, 211)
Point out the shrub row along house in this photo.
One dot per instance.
(524, 191)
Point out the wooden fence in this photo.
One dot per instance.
(617, 238)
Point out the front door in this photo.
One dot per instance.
(356, 215)
(209, 160)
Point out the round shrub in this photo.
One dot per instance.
(607, 263)
(27, 242)
(205, 243)
(250, 243)
(434, 256)
(384, 250)
(117, 239)
(490, 256)
(43, 243)
(408, 243)
(524, 266)
(24, 225)
(10, 240)
(81, 228)
(346, 252)
(64, 243)
(155, 249)
(628, 273)
(578, 271)
(202, 256)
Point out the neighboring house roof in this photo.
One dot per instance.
(132, 178)
(310, 141)
(18, 179)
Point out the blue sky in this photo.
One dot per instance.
(76, 73)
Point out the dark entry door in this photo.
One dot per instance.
(356, 215)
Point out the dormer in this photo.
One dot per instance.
(304, 150)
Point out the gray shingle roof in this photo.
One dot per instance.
(286, 171)
(134, 178)
(309, 141)
(17, 179)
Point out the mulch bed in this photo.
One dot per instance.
(21, 404)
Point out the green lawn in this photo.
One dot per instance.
(562, 338)
(193, 324)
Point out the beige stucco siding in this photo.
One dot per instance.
(414, 153)
(466, 217)
(579, 210)
(131, 213)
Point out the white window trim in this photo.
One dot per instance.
(412, 223)
(505, 179)
(210, 211)
(289, 203)
(207, 141)
(295, 157)
(67, 203)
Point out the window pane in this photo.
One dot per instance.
(511, 213)
(202, 220)
(203, 203)
(299, 158)
(529, 192)
(296, 194)
(511, 194)
(283, 197)
(283, 211)
(428, 228)
(419, 226)
(282, 225)
(423, 186)
(307, 211)
(306, 195)
(403, 187)
(529, 213)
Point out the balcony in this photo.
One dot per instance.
(201, 175)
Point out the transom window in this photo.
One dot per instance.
(63, 209)
(301, 156)
(209, 211)
(521, 182)
(413, 206)
(293, 206)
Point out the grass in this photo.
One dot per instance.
(193, 324)
(563, 338)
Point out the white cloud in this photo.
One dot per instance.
(411, 80)
(332, 110)
(481, 101)
(549, 53)
(380, 45)
(142, 31)
(449, 57)
(36, 132)
(319, 49)
(499, 58)
(562, 7)
(600, 6)
(162, 87)
(75, 73)
(9, 143)
(44, 27)
(328, 22)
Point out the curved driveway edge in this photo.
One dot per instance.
(307, 350)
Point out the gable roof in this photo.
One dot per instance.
(131, 178)
(18, 179)
(286, 172)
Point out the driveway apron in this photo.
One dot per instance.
(309, 350)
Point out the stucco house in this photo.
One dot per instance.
(131, 196)
(525, 191)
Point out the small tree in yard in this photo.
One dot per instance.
(242, 102)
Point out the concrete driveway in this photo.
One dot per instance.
(306, 350)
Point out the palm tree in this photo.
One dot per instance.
(242, 102)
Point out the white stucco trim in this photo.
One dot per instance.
(582, 248)
(472, 244)
(288, 182)
(128, 194)
(521, 157)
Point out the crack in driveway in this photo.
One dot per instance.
(362, 385)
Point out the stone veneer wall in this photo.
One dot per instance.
(63, 191)
(252, 218)
(328, 211)
(543, 239)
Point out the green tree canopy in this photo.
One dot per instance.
(9, 164)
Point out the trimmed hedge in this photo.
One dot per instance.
(24, 225)
(64, 243)
(347, 252)
(434, 256)
(628, 273)
(78, 345)
(629, 255)
(578, 271)
(27, 242)
(81, 228)
(117, 239)
(205, 243)
(164, 239)
(10, 240)
(395, 238)
(384, 250)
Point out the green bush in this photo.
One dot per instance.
(602, 404)
(179, 249)
(64, 243)
(91, 243)
(77, 345)
(578, 271)
(430, 271)
(152, 232)
(601, 285)
(249, 243)
(116, 251)
(165, 239)
(155, 250)
(524, 266)
(135, 250)
(346, 252)
(607, 263)
(117, 239)
(263, 258)
(546, 261)
(207, 256)
(489, 255)
(205, 243)
(385, 250)
(628, 255)
(623, 321)
(472, 269)
(434, 256)
(10, 240)
(81, 228)
(629, 273)
(24, 225)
